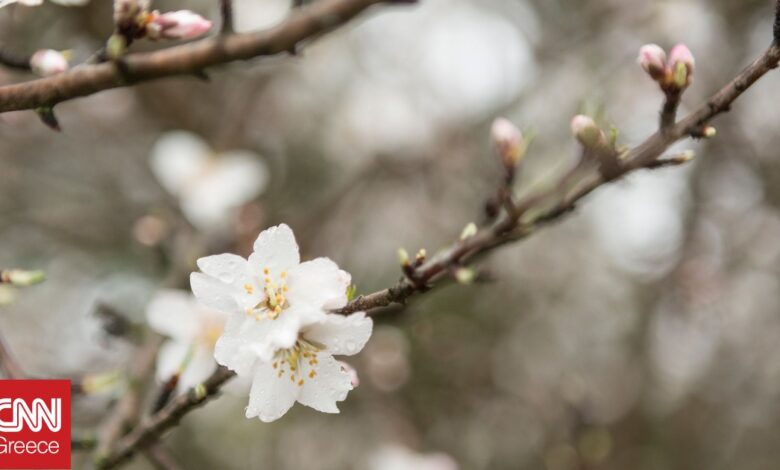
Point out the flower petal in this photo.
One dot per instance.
(342, 336)
(233, 271)
(247, 340)
(212, 293)
(275, 249)
(319, 283)
(170, 358)
(232, 349)
(177, 158)
(174, 313)
(327, 385)
(271, 396)
(200, 367)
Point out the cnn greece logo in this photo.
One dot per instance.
(35, 417)
(34, 424)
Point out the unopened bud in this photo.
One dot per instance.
(709, 132)
(586, 131)
(652, 58)
(682, 65)
(403, 257)
(21, 278)
(508, 141)
(465, 275)
(47, 62)
(115, 46)
(468, 231)
(182, 24)
(420, 257)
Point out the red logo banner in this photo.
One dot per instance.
(34, 424)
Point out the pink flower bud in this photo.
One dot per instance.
(587, 131)
(682, 64)
(582, 124)
(653, 60)
(182, 24)
(48, 62)
(508, 141)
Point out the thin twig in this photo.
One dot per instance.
(532, 212)
(150, 431)
(226, 10)
(125, 413)
(187, 59)
(160, 457)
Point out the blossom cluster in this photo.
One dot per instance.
(279, 332)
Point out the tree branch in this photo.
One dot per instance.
(532, 212)
(304, 23)
(150, 431)
(535, 210)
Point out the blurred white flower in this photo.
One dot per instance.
(279, 332)
(46, 62)
(193, 331)
(395, 457)
(35, 3)
(210, 187)
(307, 371)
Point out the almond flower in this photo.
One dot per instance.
(279, 332)
(192, 331)
(307, 372)
(210, 186)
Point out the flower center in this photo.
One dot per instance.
(275, 299)
(287, 362)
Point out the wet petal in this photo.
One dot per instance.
(212, 293)
(275, 249)
(271, 396)
(324, 384)
(319, 283)
(342, 336)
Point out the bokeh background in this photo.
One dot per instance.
(642, 332)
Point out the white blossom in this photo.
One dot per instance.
(35, 3)
(394, 457)
(192, 330)
(279, 332)
(47, 62)
(210, 187)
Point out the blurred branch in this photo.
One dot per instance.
(304, 23)
(535, 210)
(226, 10)
(125, 413)
(159, 456)
(150, 431)
(11, 369)
(13, 60)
